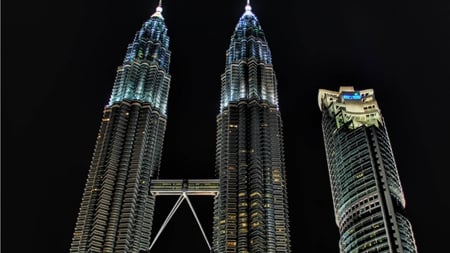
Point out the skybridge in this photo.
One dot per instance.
(176, 187)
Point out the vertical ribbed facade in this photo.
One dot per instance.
(251, 209)
(117, 210)
(368, 199)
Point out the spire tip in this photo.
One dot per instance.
(159, 9)
(248, 8)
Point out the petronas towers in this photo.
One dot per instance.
(250, 206)
(250, 190)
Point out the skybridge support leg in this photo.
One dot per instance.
(196, 218)
(182, 196)
(172, 212)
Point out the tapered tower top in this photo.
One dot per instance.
(144, 75)
(249, 72)
(247, 39)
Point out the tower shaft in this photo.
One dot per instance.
(251, 212)
(116, 211)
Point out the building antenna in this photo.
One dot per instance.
(248, 7)
(159, 9)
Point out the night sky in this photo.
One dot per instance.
(59, 61)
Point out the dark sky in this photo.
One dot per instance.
(59, 61)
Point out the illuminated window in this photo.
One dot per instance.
(253, 194)
(255, 224)
(231, 243)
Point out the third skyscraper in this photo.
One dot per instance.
(368, 198)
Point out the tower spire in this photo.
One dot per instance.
(248, 7)
(158, 10)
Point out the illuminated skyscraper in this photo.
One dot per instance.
(368, 198)
(251, 210)
(250, 213)
(117, 209)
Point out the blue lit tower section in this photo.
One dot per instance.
(368, 199)
(116, 209)
(251, 209)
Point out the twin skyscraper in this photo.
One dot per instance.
(250, 192)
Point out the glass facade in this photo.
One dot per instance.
(116, 212)
(251, 209)
(368, 198)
